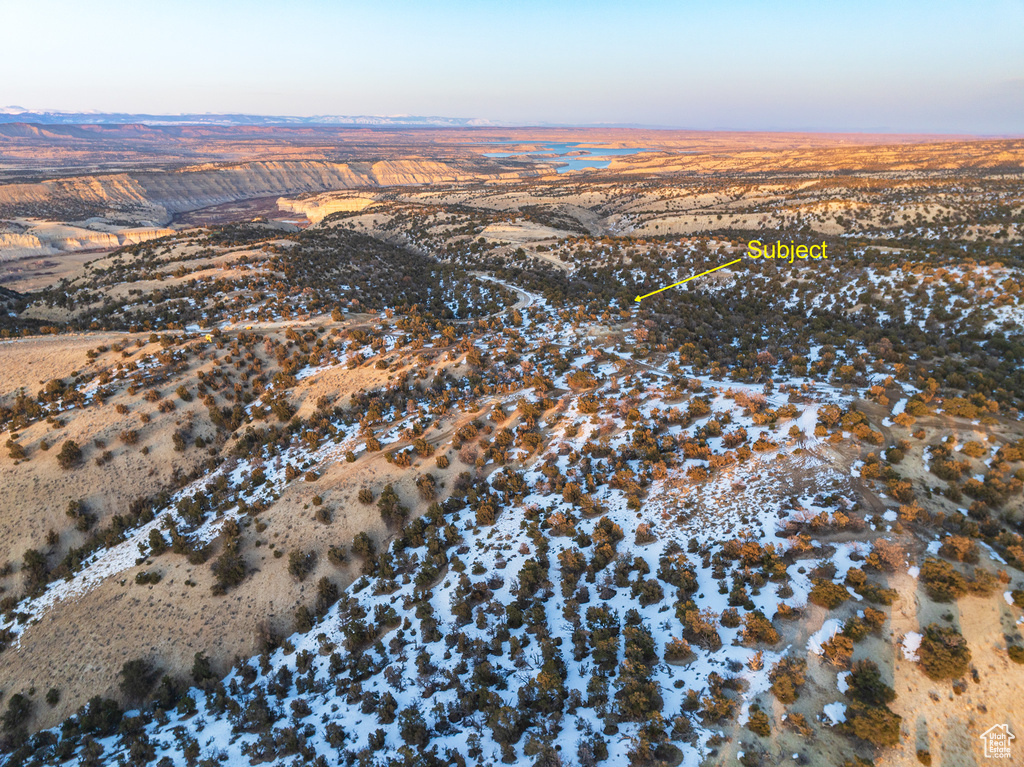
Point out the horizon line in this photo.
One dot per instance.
(408, 120)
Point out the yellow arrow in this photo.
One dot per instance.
(638, 299)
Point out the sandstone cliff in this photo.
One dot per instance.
(50, 239)
(317, 208)
(165, 193)
(113, 190)
(155, 197)
(202, 187)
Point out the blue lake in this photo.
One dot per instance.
(558, 151)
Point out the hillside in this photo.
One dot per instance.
(421, 482)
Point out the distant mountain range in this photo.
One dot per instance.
(17, 114)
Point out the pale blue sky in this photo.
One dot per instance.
(935, 66)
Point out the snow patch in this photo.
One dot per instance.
(828, 630)
(835, 712)
(911, 643)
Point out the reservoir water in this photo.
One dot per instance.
(575, 155)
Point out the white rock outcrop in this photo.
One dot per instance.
(317, 208)
(47, 239)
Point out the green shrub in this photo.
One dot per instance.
(180, 441)
(838, 650)
(786, 677)
(799, 723)
(757, 629)
(137, 679)
(855, 628)
(827, 594)
(392, 512)
(942, 582)
(730, 618)
(228, 569)
(202, 670)
(699, 627)
(78, 511)
(678, 650)
(427, 486)
(866, 685)
(944, 653)
(959, 547)
(758, 722)
(19, 710)
(36, 570)
(301, 563)
(304, 619)
(363, 546)
(148, 577)
(70, 455)
(326, 595)
(336, 555)
(857, 579)
(983, 583)
(157, 543)
(874, 618)
(878, 726)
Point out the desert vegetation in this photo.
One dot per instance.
(423, 484)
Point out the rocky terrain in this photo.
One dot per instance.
(400, 472)
(155, 197)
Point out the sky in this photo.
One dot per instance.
(913, 66)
